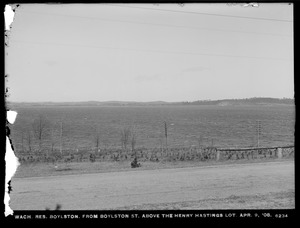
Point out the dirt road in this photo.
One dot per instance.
(238, 186)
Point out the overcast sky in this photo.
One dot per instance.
(146, 52)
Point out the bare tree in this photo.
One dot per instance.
(29, 141)
(52, 139)
(133, 140)
(125, 137)
(40, 129)
(200, 140)
(105, 142)
(97, 139)
(22, 141)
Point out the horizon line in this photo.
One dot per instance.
(152, 101)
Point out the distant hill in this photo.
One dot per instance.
(246, 101)
(87, 103)
(224, 102)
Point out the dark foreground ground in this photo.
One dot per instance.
(256, 185)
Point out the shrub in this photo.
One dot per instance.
(135, 164)
(92, 157)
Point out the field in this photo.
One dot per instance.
(187, 125)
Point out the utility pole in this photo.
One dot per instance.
(166, 134)
(61, 130)
(258, 129)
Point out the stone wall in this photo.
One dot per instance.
(168, 155)
(255, 153)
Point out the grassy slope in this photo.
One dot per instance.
(44, 169)
(272, 200)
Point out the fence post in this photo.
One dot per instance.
(279, 153)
